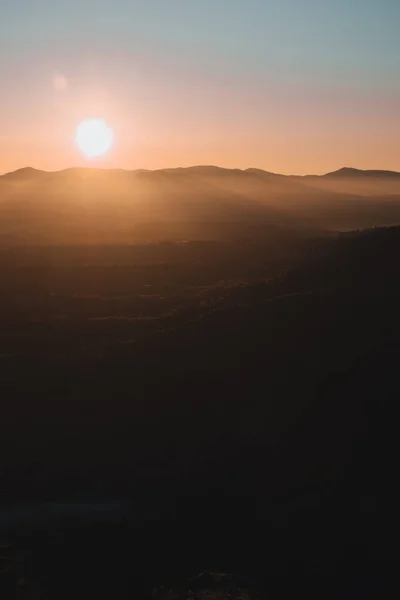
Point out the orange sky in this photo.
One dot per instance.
(183, 85)
(289, 129)
(292, 132)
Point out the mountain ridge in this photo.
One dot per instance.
(351, 172)
(344, 172)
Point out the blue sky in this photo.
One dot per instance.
(309, 35)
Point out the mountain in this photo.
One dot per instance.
(201, 170)
(350, 172)
(23, 174)
(226, 415)
(98, 206)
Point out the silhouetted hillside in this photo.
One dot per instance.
(215, 396)
(349, 172)
(24, 174)
(182, 341)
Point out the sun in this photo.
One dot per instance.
(94, 137)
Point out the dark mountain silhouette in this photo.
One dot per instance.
(235, 399)
(210, 170)
(24, 174)
(349, 172)
(198, 374)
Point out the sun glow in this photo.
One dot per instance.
(94, 137)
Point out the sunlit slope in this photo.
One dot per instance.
(99, 206)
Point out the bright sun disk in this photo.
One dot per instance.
(94, 137)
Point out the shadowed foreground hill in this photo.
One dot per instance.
(252, 422)
(83, 206)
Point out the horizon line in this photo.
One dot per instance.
(205, 166)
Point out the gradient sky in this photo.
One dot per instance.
(292, 86)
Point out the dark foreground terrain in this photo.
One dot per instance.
(178, 408)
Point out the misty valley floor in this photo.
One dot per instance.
(170, 408)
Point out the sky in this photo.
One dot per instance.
(291, 86)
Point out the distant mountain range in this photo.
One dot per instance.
(350, 172)
(344, 172)
(99, 206)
